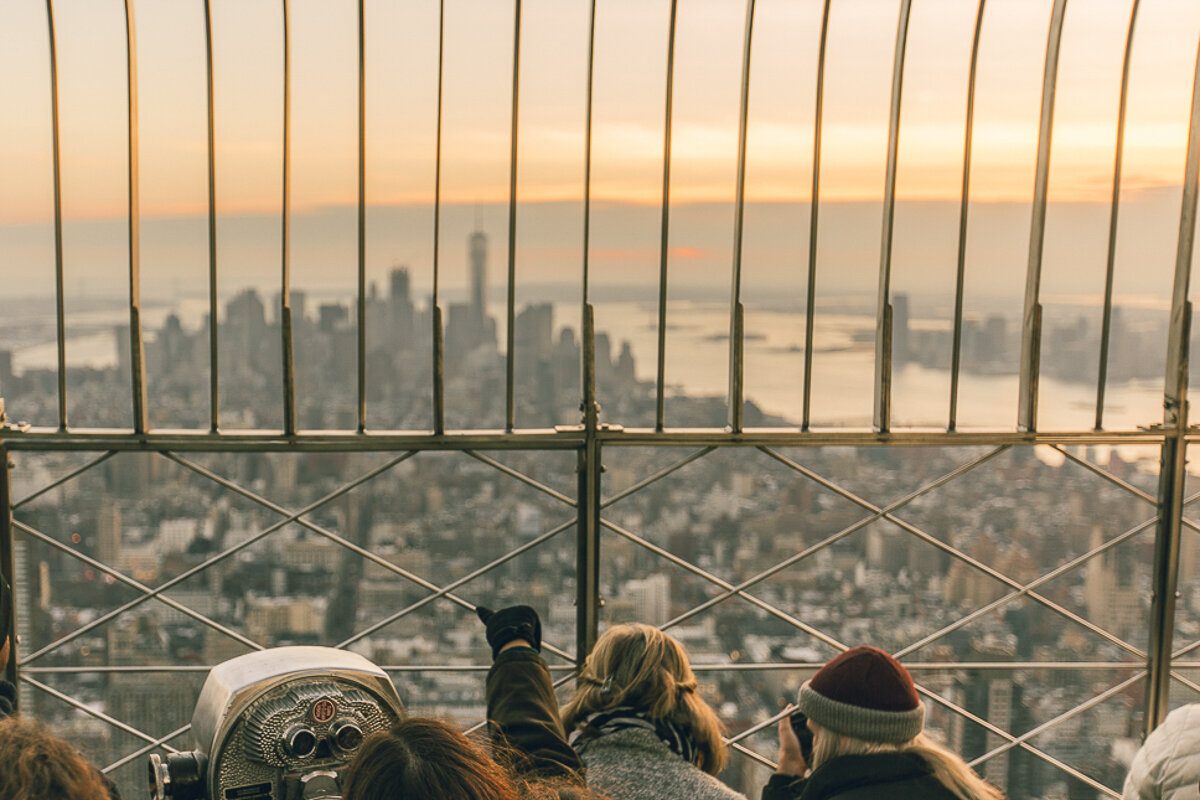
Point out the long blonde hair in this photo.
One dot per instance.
(948, 769)
(640, 667)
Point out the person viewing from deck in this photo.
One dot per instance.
(426, 759)
(37, 765)
(638, 723)
(1168, 765)
(868, 739)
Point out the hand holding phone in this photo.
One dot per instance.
(793, 756)
(799, 723)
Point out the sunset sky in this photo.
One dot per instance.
(630, 64)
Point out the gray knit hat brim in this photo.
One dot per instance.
(867, 724)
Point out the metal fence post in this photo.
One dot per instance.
(587, 567)
(7, 561)
(1166, 578)
(1173, 474)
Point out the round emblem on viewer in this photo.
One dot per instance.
(323, 710)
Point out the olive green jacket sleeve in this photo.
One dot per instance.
(522, 710)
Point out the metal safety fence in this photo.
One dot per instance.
(588, 510)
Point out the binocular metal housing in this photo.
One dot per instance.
(279, 724)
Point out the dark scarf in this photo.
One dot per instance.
(673, 735)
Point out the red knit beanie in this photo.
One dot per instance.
(866, 694)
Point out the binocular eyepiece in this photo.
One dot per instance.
(279, 724)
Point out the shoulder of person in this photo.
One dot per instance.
(640, 752)
(898, 776)
(1169, 760)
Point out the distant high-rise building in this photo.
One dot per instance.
(6, 369)
(1111, 586)
(477, 246)
(108, 531)
(400, 292)
(651, 598)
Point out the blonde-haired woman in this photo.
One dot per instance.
(638, 723)
(868, 740)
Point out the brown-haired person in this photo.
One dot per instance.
(36, 765)
(425, 759)
(640, 726)
(869, 740)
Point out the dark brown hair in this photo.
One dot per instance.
(40, 766)
(425, 759)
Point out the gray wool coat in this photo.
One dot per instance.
(635, 764)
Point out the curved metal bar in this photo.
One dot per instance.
(141, 751)
(1118, 158)
(224, 554)
(737, 372)
(816, 547)
(516, 474)
(665, 244)
(700, 572)
(445, 591)
(983, 610)
(285, 237)
(657, 476)
(439, 342)
(100, 715)
(137, 348)
(883, 320)
(63, 479)
(952, 551)
(1031, 336)
(1061, 718)
(214, 394)
(56, 160)
(510, 410)
(963, 211)
(367, 555)
(814, 209)
(137, 585)
(362, 216)
(587, 363)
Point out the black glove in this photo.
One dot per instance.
(510, 624)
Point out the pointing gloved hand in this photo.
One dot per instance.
(509, 625)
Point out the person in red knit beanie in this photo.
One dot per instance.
(868, 727)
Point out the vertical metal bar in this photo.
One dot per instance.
(362, 217)
(59, 289)
(814, 208)
(137, 350)
(963, 211)
(1106, 324)
(1173, 473)
(1031, 327)
(737, 372)
(7, 570)
(587, 567)
(439, 341)
(883, 319)
(664, 247)
(214, 399)
(285, 248)
(509, 356)
(588, 367)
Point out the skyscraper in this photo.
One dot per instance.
(477, 245)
